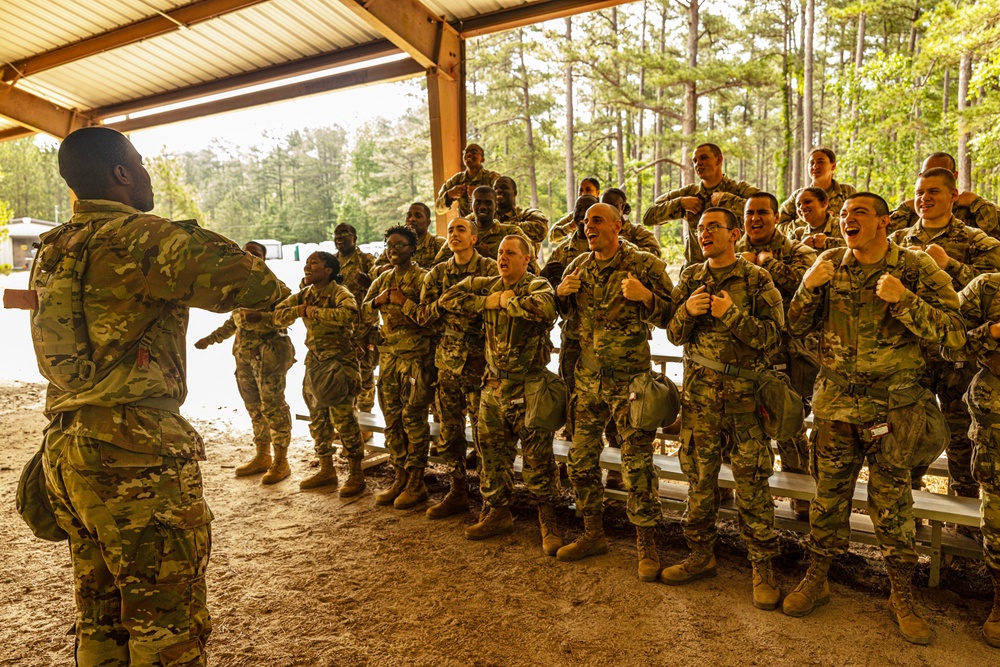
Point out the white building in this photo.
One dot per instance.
(17, 249)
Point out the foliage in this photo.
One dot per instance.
(6, 213)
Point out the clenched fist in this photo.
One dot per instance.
(698, 303)
(938, 254)
(889, 288)
(818, 274)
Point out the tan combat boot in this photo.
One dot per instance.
(389, 495)
(902, 607)
(355, 483)
(765, 587)
(258, 464)
(649, 557)
(991, 628)
(326, 476)
(591, 542)
(699, 565)
(456, 501)
(551, 539)
(415, 491)
(492, 522)
(279, 469)
(812, 591)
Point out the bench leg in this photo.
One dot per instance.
(935, 575)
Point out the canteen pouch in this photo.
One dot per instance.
(919, 432)
(328, 381)
(654, 401)
(423, 380)
(781, 409)
(32, 501)
(545, 401)
(277, 355)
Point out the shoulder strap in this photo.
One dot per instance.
(989, 291)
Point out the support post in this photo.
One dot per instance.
(446, 105)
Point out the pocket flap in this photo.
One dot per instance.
(186, 518)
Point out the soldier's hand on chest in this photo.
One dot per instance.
(750, 257)
(763, 256)
(252, 316)
(570, 284)
(396, 297)
(691, 204)
(815, 241)
(818, 274)
(506, 296)
(493, 301)
(938, 254)
(633, 290)
(721, 302)
(889, 288)
(362, 279)
(995, 330)
(699, 302)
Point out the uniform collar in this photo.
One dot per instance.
(472, 267)
(102, 206)
(892, 258)
(702, 190)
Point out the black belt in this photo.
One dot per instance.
(506, 375)
(590, 363)
(728, 369)
(854, 388)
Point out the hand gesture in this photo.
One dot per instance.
(763, 256)
(938, 254)
(994, 331)
(396, 296)
(202, 344)
(716, 198)
(505, 297)
(815, 241)
(493, 301)
(750, 257)
(458, 191)
(699, 302)
(966, 199)
(252, 316)
(691, 205)
(382, 298)
(570, 284)
(818, 274)
(721, 303)
(362, 279)
(302, 310)
(889, 288)
(633, 290)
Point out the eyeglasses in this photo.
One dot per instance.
(396, 246)
(710, 229)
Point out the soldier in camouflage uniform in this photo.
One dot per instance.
(819, 223)
(532, 222)
(121, 464)
(786, 261)
(873, 303)
(822, 165)
(729, 320)
(330, 313)
(418, 220)
(459, 187)
(263, 353)
(518, 310)
(615, 292)
(715, 189)
(970, 208)
(489, 231)
(637, 235)
(459, 357)
(980, 308)
(963, 253)
(356, 266)
(407, 374)
(566, 225)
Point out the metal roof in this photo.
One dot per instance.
(67, 62)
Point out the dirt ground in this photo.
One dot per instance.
(304, 578)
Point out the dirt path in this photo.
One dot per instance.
(307, 579)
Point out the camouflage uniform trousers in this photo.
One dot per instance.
(458, 395)
(949, 384)
(594, 410)
(326, 423)
(841, 449)
(501, 425)
(706, 432)
(986, 468)
(140, 542)
(405, 392)
(264, 397)
(365, 400)
(569, 354)
(794, 452)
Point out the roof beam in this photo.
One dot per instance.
(158, 24)
(38, 114)
(394, 71)
(12, 133)
(528, 14)
(413, 28)
(339, 58)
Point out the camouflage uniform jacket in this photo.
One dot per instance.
(562, 228)
(491, 239)
(358, 262)
(140, 280)
(463, 332)
(424, 256)
(443, 202)
(330, 331)
(668, 207)
(249, 336)
(834, 238)
(639, 236)
(970, 251)
(564, 253)
(983, 214)
(871, 342)
(401, 333)
(532, 221)
(789, 262)
(838, 192)
(746, 335)
(517, 336)
(613, 331)
(983, 396)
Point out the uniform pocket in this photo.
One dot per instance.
(184, 543)
(185, 654)
(985, 460)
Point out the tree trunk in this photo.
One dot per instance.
(658, 151)
(807, 81)
(786, 111)
(570, 176)
(529, 138)
(945, 103)
(963, 158)
(859, 60)
(913, 27)
(637, 203)
(689, 124)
